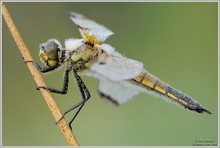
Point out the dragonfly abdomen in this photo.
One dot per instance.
(153, 84)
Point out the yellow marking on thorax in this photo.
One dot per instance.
(85, 57)
(75, 57)
(84, 54)
(88, 64)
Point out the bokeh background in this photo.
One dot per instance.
(177, 42)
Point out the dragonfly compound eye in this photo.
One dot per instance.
(50, 52)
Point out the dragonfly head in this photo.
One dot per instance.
(49, 52)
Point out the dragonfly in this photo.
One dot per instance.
(120, 78)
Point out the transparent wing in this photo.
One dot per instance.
(114, 93)
(116, 68)
(91, 31)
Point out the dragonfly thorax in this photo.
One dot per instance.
(79, 63)
(82, 57)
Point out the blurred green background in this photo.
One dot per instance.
(177, 42)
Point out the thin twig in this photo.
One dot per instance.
(38, 79)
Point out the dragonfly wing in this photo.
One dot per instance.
(116, 68)
(91, 31)
(116, 93)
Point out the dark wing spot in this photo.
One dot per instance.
(101, 63)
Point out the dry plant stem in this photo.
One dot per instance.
(38, 79)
